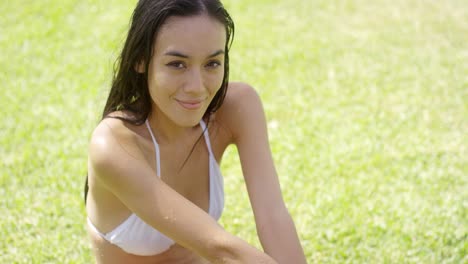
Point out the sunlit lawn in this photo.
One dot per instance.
(367, 103)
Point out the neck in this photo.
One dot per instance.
(166, 131)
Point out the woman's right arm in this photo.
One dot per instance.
(125, 173)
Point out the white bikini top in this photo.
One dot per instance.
(136, 237)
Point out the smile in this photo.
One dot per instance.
(190, 104)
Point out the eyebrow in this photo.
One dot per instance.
(181, 55)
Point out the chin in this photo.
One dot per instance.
(189, 122)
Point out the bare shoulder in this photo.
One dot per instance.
(242, 103)
(240, 93)
(113, 141)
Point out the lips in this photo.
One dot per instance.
(190, 104)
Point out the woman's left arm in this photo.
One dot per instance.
(275, 226)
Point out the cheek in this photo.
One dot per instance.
(162, 82)
(216, 80)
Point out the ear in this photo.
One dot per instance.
(140, 67)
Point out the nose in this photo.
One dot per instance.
(194, 83)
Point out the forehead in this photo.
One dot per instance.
(192, 34)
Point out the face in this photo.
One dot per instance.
(187, 68)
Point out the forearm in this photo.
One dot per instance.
(233, 250)
(279, 238)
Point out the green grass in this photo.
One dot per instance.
(367, 103)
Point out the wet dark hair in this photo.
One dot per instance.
(129, 91)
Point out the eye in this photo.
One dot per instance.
(176, 64)
(213, 64)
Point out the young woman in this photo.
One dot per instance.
(155, 190)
